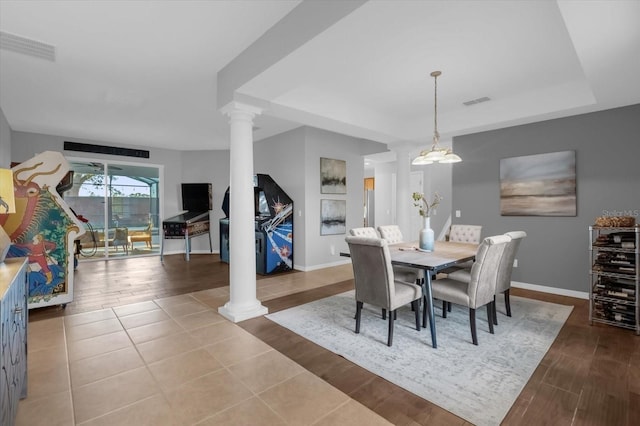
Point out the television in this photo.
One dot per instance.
(197, 197)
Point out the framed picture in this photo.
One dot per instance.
(333, 176)
(333, 217)
(538, 185)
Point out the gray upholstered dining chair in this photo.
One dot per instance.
(506, 268)
(459, 233)
(504, 271)
(465, 233)
(364, 232)
(393, 235)
(375, 283)
(480, 289)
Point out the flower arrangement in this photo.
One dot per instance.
(425, 207)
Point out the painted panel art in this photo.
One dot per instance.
(333, 217)
(538, 185)
(333, 176)
(43, 229)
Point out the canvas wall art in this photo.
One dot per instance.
(333, 176)
(538, 185)
(333, 217)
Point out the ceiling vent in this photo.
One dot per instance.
(477, 101)
(26, 46)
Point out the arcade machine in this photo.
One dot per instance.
(273, 227)
(197, 200)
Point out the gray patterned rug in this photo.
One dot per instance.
(477, 383)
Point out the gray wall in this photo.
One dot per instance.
(281, 157)
(207, 167)
(293, 161)
(5, 142)
(555, 252)
(325, 250)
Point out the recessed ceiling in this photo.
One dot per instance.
(144, 73)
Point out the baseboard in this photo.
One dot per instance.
(192, 252)
(321, 266)
(551, 290)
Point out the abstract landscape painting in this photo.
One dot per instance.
(538, 185)
(333, 217)
(333, 176)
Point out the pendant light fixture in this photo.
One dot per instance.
(436, 154)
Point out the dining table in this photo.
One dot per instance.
(444, 255)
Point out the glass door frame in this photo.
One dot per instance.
(108, 201)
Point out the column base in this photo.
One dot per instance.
(237, 315)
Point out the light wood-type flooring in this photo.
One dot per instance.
(142, 343)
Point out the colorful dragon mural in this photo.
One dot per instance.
(43, 229)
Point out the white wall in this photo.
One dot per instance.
(26, 145)
(5, 142)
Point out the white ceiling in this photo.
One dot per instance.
(144, 72)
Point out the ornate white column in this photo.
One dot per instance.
(403, 183)
(242, 303)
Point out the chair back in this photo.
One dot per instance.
(364, 232)
(391, 233)
(121, 234)
(372, 271)
(506, 264)
(484, 272)
(465, 233)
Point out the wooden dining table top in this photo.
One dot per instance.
(445, 254)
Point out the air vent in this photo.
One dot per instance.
(476, 101)
(26, 46)
(103, 149)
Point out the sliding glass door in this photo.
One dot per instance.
(119, 204)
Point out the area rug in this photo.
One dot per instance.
(477, 383)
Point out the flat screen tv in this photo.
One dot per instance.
(197, 197)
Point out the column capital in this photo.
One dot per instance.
(236, 107)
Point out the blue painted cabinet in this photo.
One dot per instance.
(13, 337)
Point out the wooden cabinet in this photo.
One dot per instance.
(13, 337)
(614, 257)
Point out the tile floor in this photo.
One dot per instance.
(176, 361)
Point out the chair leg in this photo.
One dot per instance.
(395, 314)
(444, 309)
(358, 314)
(495, 312)
(384, 314)
(424, 311)
(390, 339)
(415, 305)
(472, 323)
(507, 302)
(490, 307)
(448, 306)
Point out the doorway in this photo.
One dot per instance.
(119, 204)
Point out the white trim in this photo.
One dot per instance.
(321, 266)
(551, 290)
(166, 253)
(445, 230)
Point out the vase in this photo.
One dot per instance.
(426, 236)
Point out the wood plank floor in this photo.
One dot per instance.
(590, 376)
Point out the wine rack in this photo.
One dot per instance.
(613, 293)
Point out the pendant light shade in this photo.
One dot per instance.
(436, 154)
